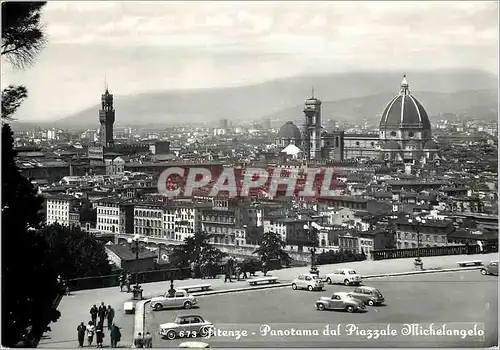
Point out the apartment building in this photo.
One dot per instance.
(148, 219)
(434, 233)
(62, 209)
(108, 215)
(224, 220)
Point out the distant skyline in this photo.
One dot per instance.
(151, 46)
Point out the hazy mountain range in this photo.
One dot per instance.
(354, 95)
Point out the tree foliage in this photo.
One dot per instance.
(87, 212)
(28, 277)
(75, 253)
(196, 248)
(23, 37)
(332, 257)
(272, 247)
(12, 97)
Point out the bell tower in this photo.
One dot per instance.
(106, 118)
(312, 128)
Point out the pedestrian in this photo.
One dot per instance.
(148, 340)
(121, 281)
(94, 311)
(227, 272)
(115, 335)
(203, 270)
(66, 287)
(99, 335)
(90, 332)
(81, 334)
(191, 266)
(237, 272)
(127, 281)
(102, 312)
(110, 314)
(139, 341)
(264, 267)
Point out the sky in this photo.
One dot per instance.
(150, 46)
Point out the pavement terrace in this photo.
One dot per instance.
(421, 299)
(75, 308)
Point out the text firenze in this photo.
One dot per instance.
(314, 182)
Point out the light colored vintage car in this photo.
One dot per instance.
(307, 281)
(181, 299)
(344, 276)
(186, 326)
(340, 301)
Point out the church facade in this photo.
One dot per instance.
(404, 134)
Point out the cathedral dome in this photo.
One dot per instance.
(431, 145)
(289, 131)
(404, 111)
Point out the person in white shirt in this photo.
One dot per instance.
(90, 332)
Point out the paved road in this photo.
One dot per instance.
(423, 299)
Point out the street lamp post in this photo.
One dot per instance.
(418, 222)
(310, 231)
(134, 244)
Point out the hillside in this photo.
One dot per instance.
(346, 93)
(478, 104)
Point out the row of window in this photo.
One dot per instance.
(57, 202)
(108, 228)
(222, 220)
(437, 238)
(106, 211)
(101, 220)
(147, 222)
(148, 213)
(57, 214)
(407, 245)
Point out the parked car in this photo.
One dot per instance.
(186, 326)
(345, 276)
(180, 299)
(307, 281)
(490, 269)
(340, 301)
(194, 345)
(369, 295)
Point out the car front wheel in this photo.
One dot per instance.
(329, 280)
(310, 288)
(294, 286)
(188, 305)
(371, 302)
(350, 309)
(171, 335)
(320, 307)
(483, 272)
(346, 282)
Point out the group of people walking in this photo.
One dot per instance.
(145, 341)
(125, 279)
(95, 327)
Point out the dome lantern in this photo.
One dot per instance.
(405, 87)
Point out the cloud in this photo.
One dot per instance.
(144, 46)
